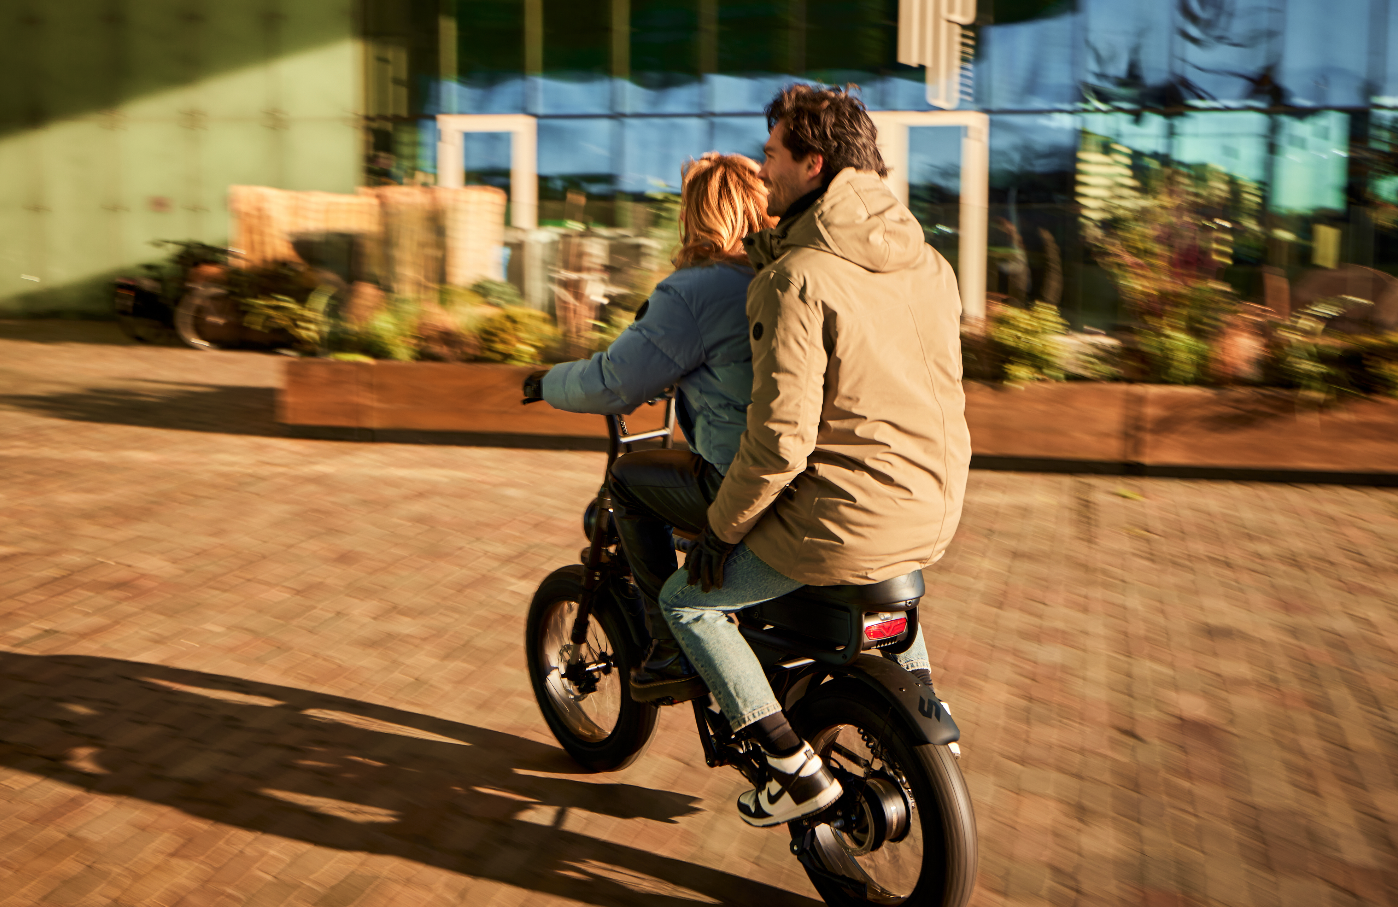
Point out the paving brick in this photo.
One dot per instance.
(1179, 695)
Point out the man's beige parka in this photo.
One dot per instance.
(854, 462)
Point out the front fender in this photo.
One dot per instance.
(915, 706)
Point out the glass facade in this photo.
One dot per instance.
(1291, 103)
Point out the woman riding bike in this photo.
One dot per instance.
(692, 334)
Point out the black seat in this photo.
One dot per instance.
(894, 591)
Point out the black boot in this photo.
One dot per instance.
(666, 673)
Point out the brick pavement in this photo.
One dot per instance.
(245, 669)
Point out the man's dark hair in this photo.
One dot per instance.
(831, 122)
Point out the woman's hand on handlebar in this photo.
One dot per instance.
(534, 386)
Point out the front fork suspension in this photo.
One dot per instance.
(594, 574)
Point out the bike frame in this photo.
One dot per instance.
(619, 441)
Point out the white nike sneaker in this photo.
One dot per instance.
(797, 785)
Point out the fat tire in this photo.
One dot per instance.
(948, 873)
(635, 722)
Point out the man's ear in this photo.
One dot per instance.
(813, 164)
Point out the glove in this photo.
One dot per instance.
(534, 386)
(706, 559)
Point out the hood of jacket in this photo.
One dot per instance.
(857, 218)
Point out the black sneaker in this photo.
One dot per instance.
(797, 785)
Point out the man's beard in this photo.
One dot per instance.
(775, 201)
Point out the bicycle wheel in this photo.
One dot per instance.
(595, 720)
(906, 834)
(206, 319)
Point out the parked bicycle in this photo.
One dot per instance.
(205, 301)
(147, 306)
(903, 831)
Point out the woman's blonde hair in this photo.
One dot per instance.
(721, 201)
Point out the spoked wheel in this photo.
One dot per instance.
(206, 319)
(903, 832)
(589, 710)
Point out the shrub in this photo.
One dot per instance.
(1170, 354)
(388, 333)
(1329, 366)
(1016, 345)
(442, 338)
(497, 292)
(517, 335)
(305, 322)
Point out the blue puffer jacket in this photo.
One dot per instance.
(693, 335)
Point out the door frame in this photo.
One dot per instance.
(524, 157)
(973, 229)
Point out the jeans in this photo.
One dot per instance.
(716, 648)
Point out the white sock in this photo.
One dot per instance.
(789, 764)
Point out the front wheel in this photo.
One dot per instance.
(904, 832)
(592, 714)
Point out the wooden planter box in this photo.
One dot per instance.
(1072, 427)
(1148, 429)
(410, 401)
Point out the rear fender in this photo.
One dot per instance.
(923, 716)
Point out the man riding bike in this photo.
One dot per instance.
(854, 462)
(691, 334)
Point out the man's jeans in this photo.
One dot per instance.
(716, 648)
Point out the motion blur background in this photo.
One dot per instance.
(125, 121)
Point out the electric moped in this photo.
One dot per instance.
(903, 832)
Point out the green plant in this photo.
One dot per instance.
(1171, 354)
(1302, 357)
(497, 292)
(517, 335)
(1165, 247)
(1016, 345)
(305, 322)
(388, 333)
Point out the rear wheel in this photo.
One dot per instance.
(592, 714)
(207, 319)
(904, 831)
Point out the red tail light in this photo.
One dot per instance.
(886, 628)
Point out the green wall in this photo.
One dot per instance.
(125, 121)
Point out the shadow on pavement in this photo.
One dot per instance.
(343, 774)
(187, 407)
(69, 330)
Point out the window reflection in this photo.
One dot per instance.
(490, 58)
(486, 157)
(1237, 91)
(1233, 141)
(575, 155)
(1028, 65)
(656, 147)
(740, 135)
(665, 63)
(1325, 51)
(1125, 62)
(1228, 50)
(934, 185)
(1312, 163)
